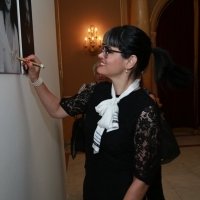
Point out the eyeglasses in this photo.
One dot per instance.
(106, 50)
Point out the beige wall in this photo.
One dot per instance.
(31, 142)
(75, 18)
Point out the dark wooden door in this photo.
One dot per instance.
(175, 33)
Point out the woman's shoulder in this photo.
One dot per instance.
(142, 98)
(101, 91)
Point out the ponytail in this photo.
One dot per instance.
(166, 72)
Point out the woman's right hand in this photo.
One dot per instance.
(33, 71)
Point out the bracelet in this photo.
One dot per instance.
(38, 82)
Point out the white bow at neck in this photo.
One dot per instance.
(109, 110)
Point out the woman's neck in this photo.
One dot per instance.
(120, 85)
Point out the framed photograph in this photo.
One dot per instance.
(16, 34)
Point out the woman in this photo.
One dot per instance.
(9, 44)
(122, 127)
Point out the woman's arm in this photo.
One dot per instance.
(147, 153)
(137, 190)
(49, 101)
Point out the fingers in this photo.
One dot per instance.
(32, 70)
(33, 58)
(30, 61)
(27, 64)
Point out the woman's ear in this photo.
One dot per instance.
(132, 60)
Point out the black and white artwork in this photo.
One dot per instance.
(16, 34)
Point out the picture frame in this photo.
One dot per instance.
(16, 35)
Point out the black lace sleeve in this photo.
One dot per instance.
(77, 104)
(147, 145)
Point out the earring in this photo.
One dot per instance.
(126, 71)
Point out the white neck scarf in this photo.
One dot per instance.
(109, 110)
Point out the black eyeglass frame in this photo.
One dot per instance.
(107, 49)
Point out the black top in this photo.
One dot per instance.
(131, 150)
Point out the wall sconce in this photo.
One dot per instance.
(92, 42)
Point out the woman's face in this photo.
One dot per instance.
(7, 4)
(111, 64)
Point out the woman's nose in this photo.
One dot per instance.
(100, 55)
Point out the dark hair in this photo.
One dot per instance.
(131, 40)
(169, 73)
